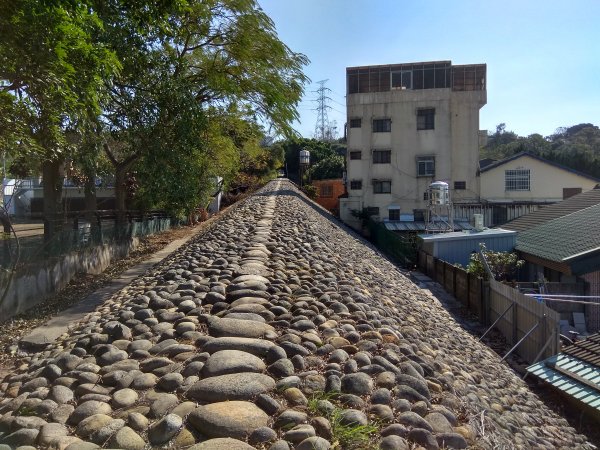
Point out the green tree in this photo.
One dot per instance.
(503, 265)
(51, 78)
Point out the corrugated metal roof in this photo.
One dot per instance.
(420, 226)
(560, 209)
(574, 377)
(563, 238)
(491, 232)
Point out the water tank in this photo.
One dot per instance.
(439, 193)
(478, 222)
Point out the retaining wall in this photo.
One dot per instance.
(49, 276)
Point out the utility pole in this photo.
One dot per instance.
(323, 129)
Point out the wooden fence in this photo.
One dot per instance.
(490, 300)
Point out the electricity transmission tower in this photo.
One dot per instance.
(324, 131)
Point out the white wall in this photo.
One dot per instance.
(546, 182)
(453, 141)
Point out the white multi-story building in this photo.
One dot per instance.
(409, 125)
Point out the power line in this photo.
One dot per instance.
(323, 129)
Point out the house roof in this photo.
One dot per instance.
(575, 377)
(539, 158)
(575, 371)
(566, 239)
(556, 210)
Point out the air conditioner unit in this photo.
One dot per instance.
(478, 222)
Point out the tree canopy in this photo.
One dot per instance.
(174, 93)
(577, 147)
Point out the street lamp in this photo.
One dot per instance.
(304, 163)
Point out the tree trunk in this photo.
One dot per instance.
(120, 192)
(91, 205)
(52, 172)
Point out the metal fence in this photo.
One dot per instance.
(77, 236)
(529, 326)
(401, 249)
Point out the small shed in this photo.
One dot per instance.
(457, 247)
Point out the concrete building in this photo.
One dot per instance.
(525, 177)
(408, 125)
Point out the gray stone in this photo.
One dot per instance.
(127, 439)
(299, 433)
(235, 419)
(238, 386)
(258, 347)
(24, 436)
(357, 383)
(353, 417)
(280, 445)
(60, 394)
(451, 440)
(290, 418)
(87, 409)
(124, 398)
(162, 405)
(170, 382)
(62, 413)
(165, 429)
(424, 438)
(222, 444)
(268, 404)
(414, 420)
(313, 443)
(396, 429)
(144, 381)
(439, 423)
(104, 433)
(262, 435)
(92, 424)
(232, 361)
(51, 432)
(238, 328)
(137, 421)
(393, 442)
(281, 368)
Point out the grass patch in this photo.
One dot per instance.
(344, 436)
(352, 436)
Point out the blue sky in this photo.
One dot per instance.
(543, 57)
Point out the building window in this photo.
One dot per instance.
(426, 195)
(426, 119)
(402, 79)
(373, 211)
(517, 180)
(394, 214)
(426, 166)
(460, 185)
(326, 190)
(356, 155)
(355, 123)
(382, 156)
(382, 186)
(355, 184)
(382, 125)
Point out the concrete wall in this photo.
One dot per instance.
(49, 276)
(546, 182)
(454, 142)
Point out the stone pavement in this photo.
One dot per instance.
(43, 335)
(279, 329)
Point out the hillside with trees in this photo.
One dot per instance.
(577, 147)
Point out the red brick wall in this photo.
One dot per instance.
(335, 188)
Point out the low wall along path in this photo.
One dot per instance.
(275, 329)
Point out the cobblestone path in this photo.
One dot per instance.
(275, 329)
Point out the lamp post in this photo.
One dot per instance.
(304, 163)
